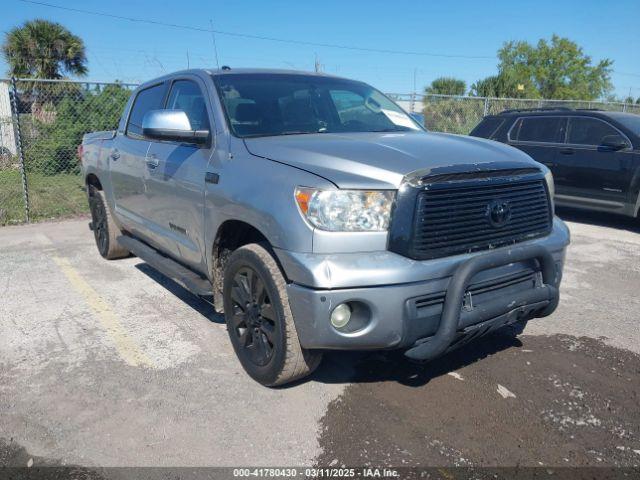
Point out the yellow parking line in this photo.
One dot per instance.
(127, 348)
(446, 474)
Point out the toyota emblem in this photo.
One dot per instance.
(499, 213)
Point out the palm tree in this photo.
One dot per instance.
(43, 49)
(446, 86)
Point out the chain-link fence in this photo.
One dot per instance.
(457, 114)
(42, 126)
(42, 123)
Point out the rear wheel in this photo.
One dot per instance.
(105, 231)
(259, 319)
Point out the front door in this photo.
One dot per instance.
(594, 173)
(175, 177)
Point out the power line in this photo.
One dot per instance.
(260, 37)
(212, 32)
(627, 74)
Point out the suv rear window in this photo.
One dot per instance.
(487, 127)
(151, 98)
(589, 131)
(538, 129)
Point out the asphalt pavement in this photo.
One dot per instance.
(112, 364)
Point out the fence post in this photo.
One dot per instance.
(486, 107)
(18, 135)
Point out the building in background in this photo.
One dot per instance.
(7, 133)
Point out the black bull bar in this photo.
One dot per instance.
(546, 297)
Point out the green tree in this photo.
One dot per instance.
(53, 149)
(446, 86)
(555, 69)
(502, 85)
(43, 49)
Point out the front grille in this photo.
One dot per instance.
(468, 218)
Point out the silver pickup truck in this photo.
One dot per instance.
(318, 215)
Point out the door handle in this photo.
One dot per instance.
(152, 161)
(567, 151)
(115, 155)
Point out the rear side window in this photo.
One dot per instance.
(487, 127)
(589, 131)
(186, 95)
(538, 129)
(148, 99)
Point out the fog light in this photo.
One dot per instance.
(341, 315)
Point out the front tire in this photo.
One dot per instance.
(105, 230)
(259, 319)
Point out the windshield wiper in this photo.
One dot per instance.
(302, 132)
(391, 130)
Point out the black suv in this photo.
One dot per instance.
(594, 155)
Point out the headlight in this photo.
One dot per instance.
(346, 210)
(548, 177)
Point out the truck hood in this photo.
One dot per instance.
(381, 160)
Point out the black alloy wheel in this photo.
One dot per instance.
(100, 227)
(254, 318)
(259, 319)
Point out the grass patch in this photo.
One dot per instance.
(50, 196)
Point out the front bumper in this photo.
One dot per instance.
(477, 293)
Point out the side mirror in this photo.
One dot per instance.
(171, 125)
(613, 142)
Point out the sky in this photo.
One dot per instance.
(130, 51)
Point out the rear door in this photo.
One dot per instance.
(594, 173)
(175, 177)
(540, 137)
(127, 158)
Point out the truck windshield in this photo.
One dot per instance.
(258, 105)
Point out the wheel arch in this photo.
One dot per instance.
(92, 180)
(231, 235)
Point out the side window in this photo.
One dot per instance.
(148, 99)
(186, 95)
(589, 131)
(539, 129)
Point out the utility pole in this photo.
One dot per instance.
(318, 67)
(413, 95)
